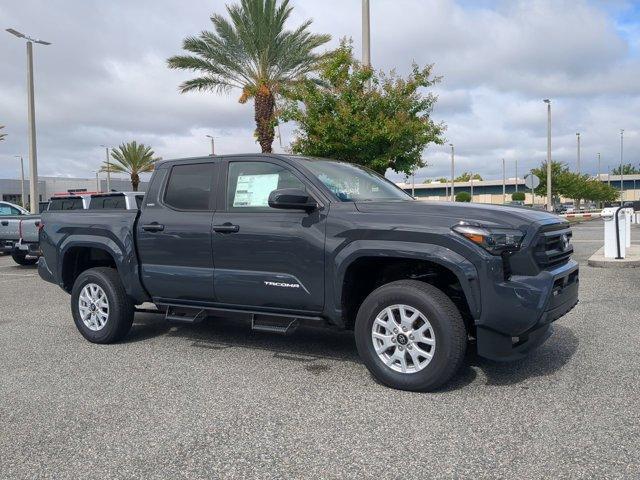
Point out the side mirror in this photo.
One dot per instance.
(292, 199)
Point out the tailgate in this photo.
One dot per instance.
(29, 230)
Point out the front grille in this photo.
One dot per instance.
(550, 250)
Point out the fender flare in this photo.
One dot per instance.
(464, 270)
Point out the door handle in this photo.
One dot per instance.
(5, 223)
(153, 227)
(226, 228)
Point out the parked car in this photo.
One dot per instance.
(10, 215)
(287, 240)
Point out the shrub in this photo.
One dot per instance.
(518, 197)
(463, 197)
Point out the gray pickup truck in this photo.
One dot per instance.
(12, 219)
(287, 240)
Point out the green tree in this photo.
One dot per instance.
(442, 180)
(467, 176)
(463, 197)
(355, 114)
(133, 159)
(627, 169)
(518, 196)
(2, 135)
(253, 52)
(559, 178)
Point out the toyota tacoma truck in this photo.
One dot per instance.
(288, 240)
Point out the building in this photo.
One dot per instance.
(490, 191)
(10, 190)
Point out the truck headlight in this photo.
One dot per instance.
(494, 240)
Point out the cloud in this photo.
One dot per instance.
(104, 80)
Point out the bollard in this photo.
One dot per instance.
(610, 237)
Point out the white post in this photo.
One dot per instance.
(33, 155)
(366, 34)
(549, 197)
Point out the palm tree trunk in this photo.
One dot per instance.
(135, 181)
(264, 104)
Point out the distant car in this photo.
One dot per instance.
(10, 215)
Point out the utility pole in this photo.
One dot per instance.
(23, 195)
(504, 183)
(106, 150)
(213, 145)
(366, 35)
(549, 197)
(452, 172)
(578, 159)
(31, 108)
(621, 166)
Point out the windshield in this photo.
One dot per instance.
(353, 183)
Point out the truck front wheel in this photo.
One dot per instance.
(102, 311)
(410, 336)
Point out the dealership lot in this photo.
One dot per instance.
(216, 400)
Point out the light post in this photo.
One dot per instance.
(504, 183)
(213, 146)
(471, 187)
(452, 172)
(549, 198)
(598, 165)
(516, 175)
(578, 158)
(33, 156)
(97, 182)
(366, 34)
(106, 154)
(23, 195)
(621, 166)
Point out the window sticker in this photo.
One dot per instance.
(254, 190)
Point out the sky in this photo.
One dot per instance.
(104, 79)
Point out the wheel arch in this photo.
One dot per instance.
(358, 269)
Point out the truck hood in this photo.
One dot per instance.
(490, 215)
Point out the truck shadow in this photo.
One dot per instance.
(311, 346)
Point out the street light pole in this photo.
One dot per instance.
(504, 183)
(452, 172)
(366, 35)
(107, 161)
(23, 195)
(549, 198)
(213, 146)
(621, 166)
(578, 160)
(599, 166)
(516, 175)
(31, 109)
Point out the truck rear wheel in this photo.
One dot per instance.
(102, 311)
(410, 336)
(21, 258)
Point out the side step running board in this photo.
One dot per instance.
(282, 326)
(181, 315)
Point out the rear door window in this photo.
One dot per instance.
(190, 187)
(114, 202)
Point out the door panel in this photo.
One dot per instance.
(275, 259)
(175, 244)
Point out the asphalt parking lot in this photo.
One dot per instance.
(218, 401)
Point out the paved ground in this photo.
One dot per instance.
(218, 401)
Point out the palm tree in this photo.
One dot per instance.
(252, 52)
(2, 135)
(132, 159)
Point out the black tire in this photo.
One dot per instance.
(21, 258)
(121, 308)
(448, 328)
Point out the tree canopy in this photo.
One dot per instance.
(253, 51)
(572, 185)
(2, 135)
(354, 113)
(133, 159)
(467, 176)
(627, 169)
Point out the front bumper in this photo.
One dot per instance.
(517, 313)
